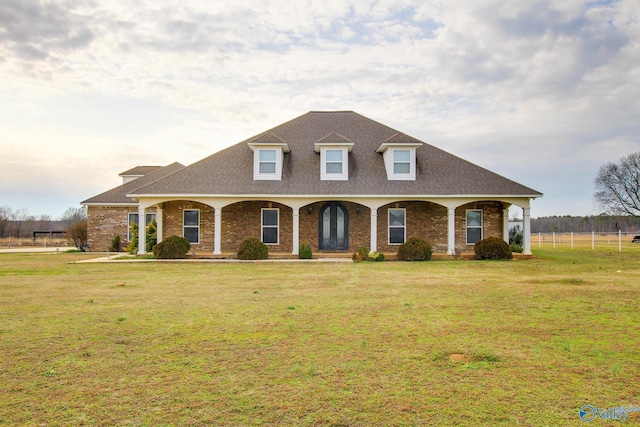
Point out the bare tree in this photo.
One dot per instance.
(618, 186)
(5, 217)
(19, 220)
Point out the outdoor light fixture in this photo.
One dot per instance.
(310, 209)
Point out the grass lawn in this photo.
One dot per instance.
(390, 343)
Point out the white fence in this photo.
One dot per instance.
(610, 241)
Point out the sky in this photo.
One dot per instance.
(542, 92)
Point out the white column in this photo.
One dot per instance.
(526, 231)
(296, 231)
(451, 231)
(217, 231)
(505, 225)
(142, 231)
(374, 230)
(159, 215)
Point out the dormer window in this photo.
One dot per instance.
(399, 160)
(334, 163)
(267, 160)
(334, 152)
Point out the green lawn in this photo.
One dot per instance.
(390, 343)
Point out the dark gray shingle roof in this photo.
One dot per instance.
(230, 171)
(118, 195)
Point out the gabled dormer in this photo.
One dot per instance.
(399, 154)
(334, 152)
(268, 154)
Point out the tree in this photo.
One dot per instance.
(77, 234)
(618, 186)
(6, 213)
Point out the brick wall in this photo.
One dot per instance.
(241, 220)
(105, 222)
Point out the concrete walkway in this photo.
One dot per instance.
(35, 249)
(114, 258)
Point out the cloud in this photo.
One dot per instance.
(500, 83)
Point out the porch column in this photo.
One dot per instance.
(159, 211)
(217, 231)
(296, 231)
(505, 225)
(451, 231)
(374, 230)
(526, 231)
(142, 231)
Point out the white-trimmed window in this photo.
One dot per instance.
(266, 161)
(401, 162)
(270, 226)
(397, 226)
(474, 226)
(191, 225)
(133, 219)
(334, 163)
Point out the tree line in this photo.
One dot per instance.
(586, 224)
(20, 224)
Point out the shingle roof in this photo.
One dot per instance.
(140, 170)
(118, 195)
(230, 171)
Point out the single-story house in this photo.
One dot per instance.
(334, 179)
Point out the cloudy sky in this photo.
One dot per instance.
(543, 92)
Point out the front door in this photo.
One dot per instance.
(334, 227)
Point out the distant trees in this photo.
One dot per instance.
(618, 186)
(585, 224)
(19, 223)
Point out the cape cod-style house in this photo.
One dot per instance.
(334, 179)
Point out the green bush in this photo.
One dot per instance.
(492, 248)
(361, 254)
(116, 244)
(414, 249)
(253, 248)
(173, 247)
(375, 256)
(305, 251)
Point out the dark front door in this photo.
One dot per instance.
(334, 227)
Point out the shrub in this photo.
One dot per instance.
(360, 255)
(174, 247)
(492, 248)
(305, 251)
(116, 244)
(375, 256)
(77, 234)
(253, 248)
(414, 249)
(152, 236)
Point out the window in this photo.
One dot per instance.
(270, 223)
(397, 226)
(191, 225)
(133, 219)
(267, 161)
(474, 226)
(334, 161)
(401, 161)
